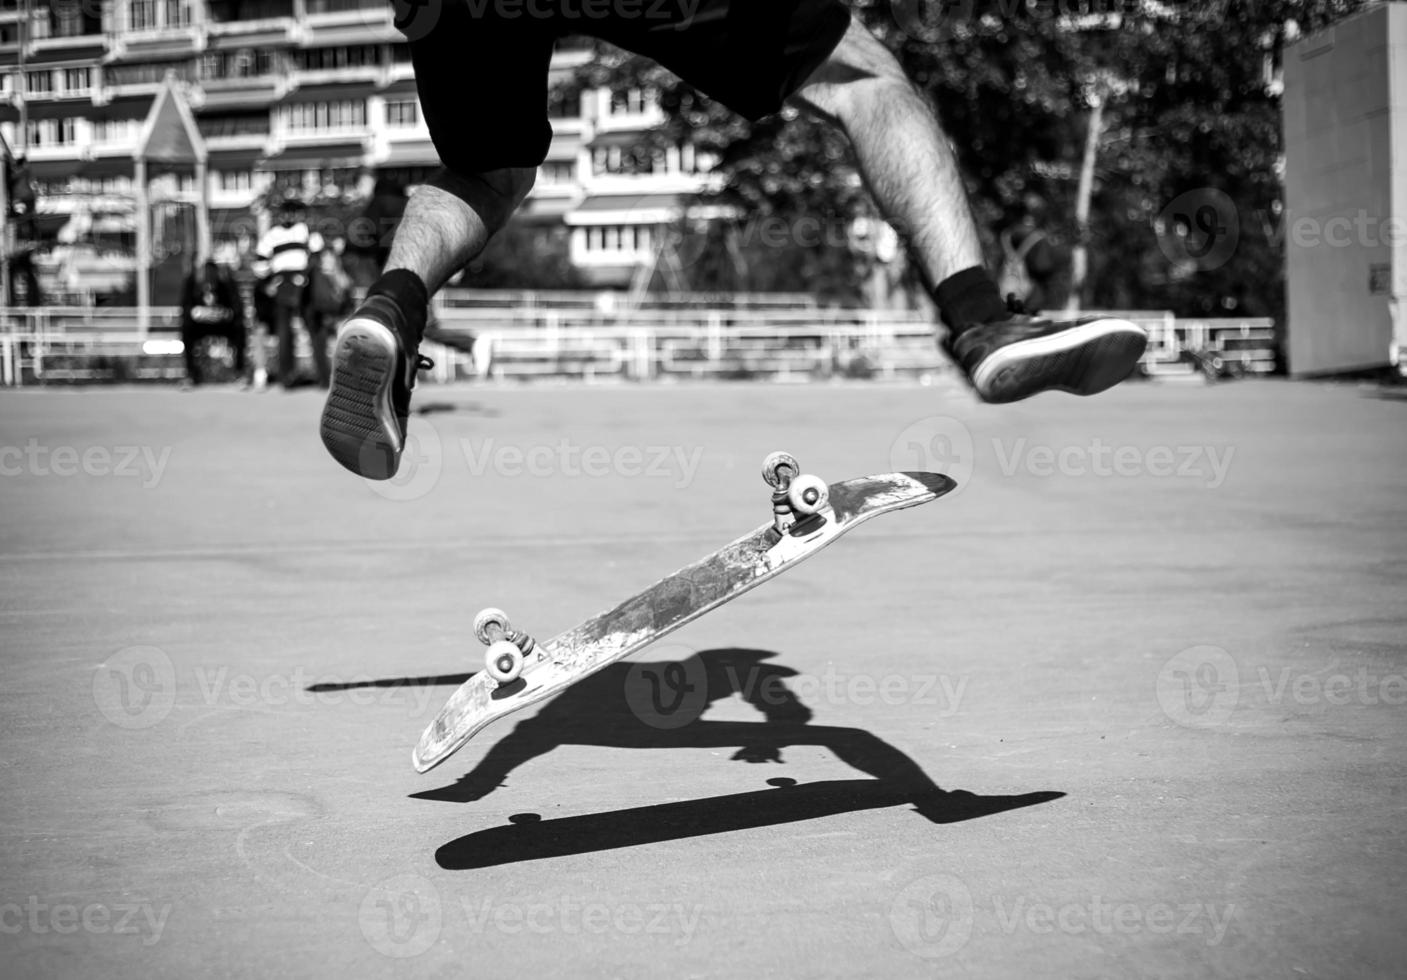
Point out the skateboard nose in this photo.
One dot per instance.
(935, 482)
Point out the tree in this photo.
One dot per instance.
(1186, 141)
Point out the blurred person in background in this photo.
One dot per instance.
(1030, 262)
(211, 307)
(284, 256)
(750, 56)
(329, 300)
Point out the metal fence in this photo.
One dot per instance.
(553, 339)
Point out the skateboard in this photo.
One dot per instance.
(807, 515)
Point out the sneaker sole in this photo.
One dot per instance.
(359, 426)
(1083, 360)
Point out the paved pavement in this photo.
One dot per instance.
(1152, 652)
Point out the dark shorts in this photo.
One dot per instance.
(481, 66)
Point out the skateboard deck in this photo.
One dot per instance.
(548, 668)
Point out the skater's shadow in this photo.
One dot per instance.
(658, 705)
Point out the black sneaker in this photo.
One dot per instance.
(373, 371)
(1008, 360)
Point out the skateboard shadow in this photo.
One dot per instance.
(658, 705)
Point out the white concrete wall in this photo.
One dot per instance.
(1346, 170)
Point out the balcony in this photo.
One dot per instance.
(226, 134)
(142, 79)
(242, 77)
(242, 22)
(349, 22)
(146, 28)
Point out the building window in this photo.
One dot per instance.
(338, 58)
(237, 64)
(341, 6)
(557, 172)
(226, 11)
(147, 74)
(39, 27)
(627, 160)
(115, 130)
(631, 102)
(53, 132)
(76, 20)
(234, 181)
(618, 238)
(316, 116)
(156, 15)
(78, 81)
(40, 83)
(402, 113)
(234, 124)
(564, 105)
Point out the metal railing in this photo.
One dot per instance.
(554, 340)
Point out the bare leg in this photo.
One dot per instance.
(904, 157)
(442, 232)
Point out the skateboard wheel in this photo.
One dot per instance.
(808, 494)
(490, 624)
(774, 469)
(504, 661)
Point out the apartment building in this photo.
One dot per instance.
(316, 94)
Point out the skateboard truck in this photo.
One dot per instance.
(798, 504)
(798, 499)
(508, 649)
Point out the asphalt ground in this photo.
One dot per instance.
(1131, 702)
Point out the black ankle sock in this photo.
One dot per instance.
(409, 292)
(969, 298)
